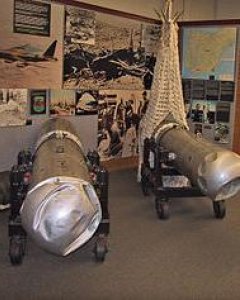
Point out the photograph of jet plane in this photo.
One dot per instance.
(28, 65)
(26, 55)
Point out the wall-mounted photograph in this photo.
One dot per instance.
(80, 26)
(13, 107)
(222, 133)
(122, 57)
(203, 111)
(62, 102)
(209, 52)
(223, 110)
(39, 102)
(30, 60)
(119, 115)
(86, 102)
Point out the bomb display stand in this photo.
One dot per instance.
(211, 171)
(59, 196)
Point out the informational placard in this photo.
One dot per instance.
(227, 91)
(32, 17)
(223, 112)
(187, 89)
(212, 90)
(198, 89)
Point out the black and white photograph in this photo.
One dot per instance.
(119, 115)
(80, 26)
(62, 102)
(151, 37)
(13, 107)
(86, 102)
(223, 110)
(117, 60)
(222, 133)
(203, 111)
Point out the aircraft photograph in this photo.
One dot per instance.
(26, 55)
(36, 64)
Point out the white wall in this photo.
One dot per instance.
(228, 9)
(193, 9)
(138, 7)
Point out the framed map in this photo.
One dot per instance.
(215, 54)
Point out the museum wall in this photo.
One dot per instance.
(89, 50)
(193, 10)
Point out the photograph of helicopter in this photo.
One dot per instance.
(120, 58)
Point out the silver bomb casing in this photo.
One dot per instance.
(61, 214)
(61, 211)
(214, 169)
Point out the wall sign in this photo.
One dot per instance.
(32, 17)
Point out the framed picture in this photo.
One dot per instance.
(13, 107)
(38, 102)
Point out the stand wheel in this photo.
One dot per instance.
(219, 209)
(163, 209)
(100, 249)
(16, 249)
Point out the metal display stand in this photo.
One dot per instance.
(20, 180)
(157, 163)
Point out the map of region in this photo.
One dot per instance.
(209, 52)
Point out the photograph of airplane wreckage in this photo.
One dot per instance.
(122, 56)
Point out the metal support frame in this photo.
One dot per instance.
(20, 179)
(158, 162)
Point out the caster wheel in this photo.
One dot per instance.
(219, 209)
(100, 249)
(16, 250)
(163, 209)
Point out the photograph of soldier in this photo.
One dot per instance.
(197, 113)
(119, 116)
(203, 112)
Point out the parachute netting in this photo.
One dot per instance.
(166, 105)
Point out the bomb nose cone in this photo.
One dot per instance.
(219, 175)
(64, 215)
